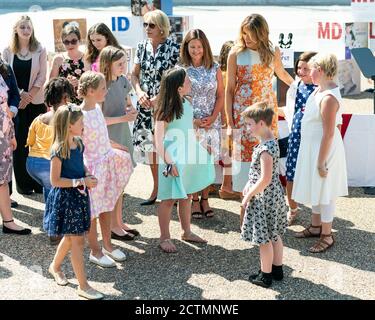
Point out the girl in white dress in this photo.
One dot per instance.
(320, 176)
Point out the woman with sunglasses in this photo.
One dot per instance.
(69, 64)
(28, 59)
(153, 57)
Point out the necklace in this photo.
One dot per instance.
(24, 56)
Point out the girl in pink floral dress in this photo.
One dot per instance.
(108, 161)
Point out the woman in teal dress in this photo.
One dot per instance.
(185, 166)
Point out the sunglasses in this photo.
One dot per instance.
(151, 25)
(72, 42)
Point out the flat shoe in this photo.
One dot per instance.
(116, 255)
(134, 232)
(90, 294)
(148, 202)
(126, 237)
(58, 276)
(105, 261)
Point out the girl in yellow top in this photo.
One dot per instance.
(40, 138)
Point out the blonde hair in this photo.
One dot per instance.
(259, 111)
(107, 57)
(160, 19)
(64, 116)
(89, 79)
(258, 27)
(327, 62)
(14, 43)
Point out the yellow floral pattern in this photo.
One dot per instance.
(254, 84)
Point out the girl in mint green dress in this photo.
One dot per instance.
(191, 168)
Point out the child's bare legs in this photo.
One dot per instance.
(184, 213)
(164, 215)
(227, 179)
(92, 237)
(155, 174)
(278, 249)
(293, 206)
(62, 250)
(77, 244)
(266, 257)
(105, 226)
(207, 211)
(5, 209)
(117, 226)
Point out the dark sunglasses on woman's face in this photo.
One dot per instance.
(151, 25)
(72, 42)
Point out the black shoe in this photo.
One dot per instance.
(261, 279)
(148, 202)
(13, 204)
(277, 273)
(25, 192)
(7, 230)
(126, 237)
(134, 232)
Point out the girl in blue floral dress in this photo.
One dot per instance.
(68, 203)
(297, 96)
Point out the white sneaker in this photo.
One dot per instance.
(116, 255)
(105, 261)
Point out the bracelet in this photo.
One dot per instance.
(75, 183)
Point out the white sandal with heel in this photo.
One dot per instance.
(292, 215)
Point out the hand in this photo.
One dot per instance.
(131, 116)
(245, 190)
(246, 199)
(208, 121)
(73, 80)
(91, 182)
(323, 170)
(144, 100)
(13, 143)
(26, 98)
(174, 171)
(198, 123)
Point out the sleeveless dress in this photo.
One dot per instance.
(303, 92)
(74, 68)
(6, 135)
(203, 92)
(309, 187)
(194, 164)
(112, 167)
(68, 209)
(266, 214)
(254, 84)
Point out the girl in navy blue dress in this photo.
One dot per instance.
(68, 203)
(297, 96)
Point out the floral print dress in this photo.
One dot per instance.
(6, 135)
(265, 216)
(152, 68)
(203, 92)
(254, 84)
(73, 68)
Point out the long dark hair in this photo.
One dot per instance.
(100, 28)
(170, 103)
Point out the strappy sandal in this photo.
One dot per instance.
(306, 233)
(322, 245)
(292, 215)
(196, 214)
(209, 213)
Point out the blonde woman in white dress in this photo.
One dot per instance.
(320, 176)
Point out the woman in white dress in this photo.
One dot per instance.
(320, 176)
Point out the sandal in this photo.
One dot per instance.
(292, 215)
(209, 213)
(306, 233)
(322, 245)
(167, 246)
(196, 214)
(192, 237)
